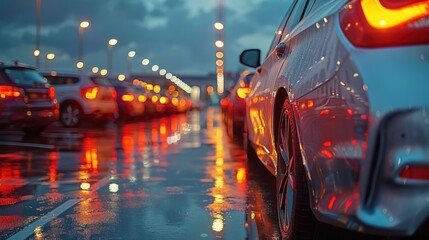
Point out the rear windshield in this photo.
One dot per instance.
(101, 81)
(25, 76)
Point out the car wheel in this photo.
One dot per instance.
(70, 115)
(296, 220)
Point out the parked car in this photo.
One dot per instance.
(27, 101)
(129, 104)
(338, 112)
(234, 105)
(83, 96)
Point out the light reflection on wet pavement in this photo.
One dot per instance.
(175, 177)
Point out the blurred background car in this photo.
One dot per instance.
(234, 105)
(130, 105)
(27, 101)
(338, 112)
(83, 97)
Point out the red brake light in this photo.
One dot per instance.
(416, 172)
(89, 93)
(375, 23)
(114, 94)
(52, 93)
(10, 92)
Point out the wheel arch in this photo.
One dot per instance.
(280, 98)
(71, 101)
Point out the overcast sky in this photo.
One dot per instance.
(177, 35)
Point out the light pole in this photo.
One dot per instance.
(112, 42)
(131, 54)
(82, 26)
(37, 50)
(49, 56)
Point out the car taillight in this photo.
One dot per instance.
(52, 93)
(243, 92)
(10, 92)
(416, 172)
(89, 93)
(114, 94)
(378, 23)
(127, 97)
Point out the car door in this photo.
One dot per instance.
(268, 74)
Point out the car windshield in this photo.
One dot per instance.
(25, 76)
(101, 81)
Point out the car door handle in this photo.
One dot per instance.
(281, 50)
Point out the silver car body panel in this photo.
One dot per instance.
(361, 114)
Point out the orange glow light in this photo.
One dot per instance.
(142, 98)
(90, 92)
(163, 100)
(243, 92)
(127, 98)
(154, 99)
(381, 17)
(241, 175)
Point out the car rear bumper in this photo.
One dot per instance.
(100, 109)
(23, 117)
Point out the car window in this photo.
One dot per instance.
(296, 16)
(58, 80)
(279, 31)
(24, 76)
(101, 81)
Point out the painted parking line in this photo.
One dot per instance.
(31, 145)
(32, 227)
(29, 230)
(100, 184)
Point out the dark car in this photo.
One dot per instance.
(27, 101)
(234, 105)
(129, 100)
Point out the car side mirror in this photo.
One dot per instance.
(251, 58)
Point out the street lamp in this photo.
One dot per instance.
(82, 26)
(155, 68)
(131, 54)
(112, 42)
(49, 56)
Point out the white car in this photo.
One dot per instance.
(83, 96)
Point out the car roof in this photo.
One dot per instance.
(15, 64)
(69, 74)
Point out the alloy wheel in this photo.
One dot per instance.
(285, 172)
(70, 115)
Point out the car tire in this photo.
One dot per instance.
(71, 115)
(296, 220)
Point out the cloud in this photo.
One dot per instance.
(176, 34)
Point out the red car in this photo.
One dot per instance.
(234, 106)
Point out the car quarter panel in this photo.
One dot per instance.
(309, 76)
